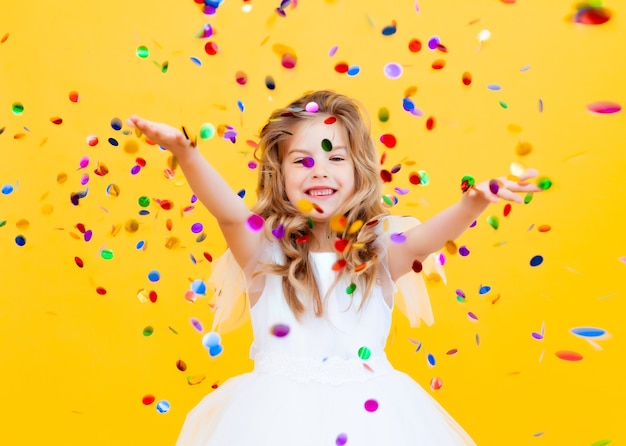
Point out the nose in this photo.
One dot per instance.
(319, 170)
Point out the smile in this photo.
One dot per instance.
(320, 192)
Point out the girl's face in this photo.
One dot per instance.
(317, 167)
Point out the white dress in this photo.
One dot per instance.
(317, 385)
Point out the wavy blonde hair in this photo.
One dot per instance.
(364, 206)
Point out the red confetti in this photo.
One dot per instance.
(386, 176)
(211, 48)
(341, 244)
(302, 239)
(388, 140)
(241, 78)
(56, 120)
(79, 262)
(330, 120)
(341, 67)
(74, 96)
(148, 399)
(415, 45)
(507, 209)
(166, 205)
(430, 123)
(414, 178)
(340, 264)
(467, 78)
(101, 291)
(208, 256)
(438, 64)
(152, 296)
(141, 162)
(417, 266)
(180, 365)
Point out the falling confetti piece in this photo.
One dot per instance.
(364, 353)
(181, 365)
(393, 70)
(211, 339)
(569, 355)
(591, 15)
(280, 330)
(604, 107)
(148, 399)
(17, 108)
(163, 406)
(436, 383)
(588, 332)
(371, 405)
(341, 439)
(142, 52)
(255, 222)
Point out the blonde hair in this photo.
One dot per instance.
(364, 206)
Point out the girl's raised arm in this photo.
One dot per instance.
(211, 189)
(449, 224)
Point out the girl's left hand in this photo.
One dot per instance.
(505, 188)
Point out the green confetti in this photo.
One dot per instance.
(528, 198)
(327, 145)
(143, 52)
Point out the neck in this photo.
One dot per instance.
(323, 237)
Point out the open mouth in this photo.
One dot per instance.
(320, 192)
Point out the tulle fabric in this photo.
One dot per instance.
(264, 409)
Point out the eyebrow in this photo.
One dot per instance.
(308, 152)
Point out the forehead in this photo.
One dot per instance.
(309, 133)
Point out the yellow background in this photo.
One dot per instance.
(75, 365)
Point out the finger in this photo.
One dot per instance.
(529, 173)
(509, 195)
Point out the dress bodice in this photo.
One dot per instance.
(345, 327)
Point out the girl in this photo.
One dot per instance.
(320, 276)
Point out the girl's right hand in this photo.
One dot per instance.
(162, 134)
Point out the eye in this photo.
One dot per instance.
(337, 158)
